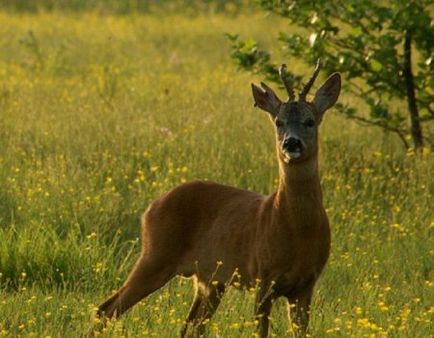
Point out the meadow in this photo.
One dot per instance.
(100, 114)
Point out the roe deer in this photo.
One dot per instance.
(210, 231)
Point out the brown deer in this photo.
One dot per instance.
(219, 234)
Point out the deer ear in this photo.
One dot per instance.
(327, 95)
(266, 99)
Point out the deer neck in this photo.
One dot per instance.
(299, 186)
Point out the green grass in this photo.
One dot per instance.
(101, 114)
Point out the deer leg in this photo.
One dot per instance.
(205, 303)
(299, 310)
(192, 313)
(143, 280)
(262, 311)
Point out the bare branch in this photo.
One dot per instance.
(385, 126)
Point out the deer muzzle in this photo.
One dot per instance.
(292, 148)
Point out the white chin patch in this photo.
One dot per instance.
(291, 156)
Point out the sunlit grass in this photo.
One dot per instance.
(101, 114)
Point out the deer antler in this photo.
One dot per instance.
(284, 76)
(309, 84)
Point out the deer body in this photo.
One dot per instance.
(220, 234)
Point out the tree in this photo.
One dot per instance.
(384, 50)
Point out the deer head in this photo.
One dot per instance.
(297, 122)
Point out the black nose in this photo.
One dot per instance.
(292, 144)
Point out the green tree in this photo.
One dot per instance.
(384, 50)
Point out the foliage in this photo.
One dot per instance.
(364, 41)
(102, 114)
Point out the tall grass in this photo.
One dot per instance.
(124, 7)
(101, 114)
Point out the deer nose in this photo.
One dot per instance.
(292, 145)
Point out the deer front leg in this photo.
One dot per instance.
(299, 310)
(262, 311)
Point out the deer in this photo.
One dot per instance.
(210, 232)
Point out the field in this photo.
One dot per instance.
(100, 114)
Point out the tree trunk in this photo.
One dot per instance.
(416, 130)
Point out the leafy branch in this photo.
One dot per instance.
(384, 51)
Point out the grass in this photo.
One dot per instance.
(100, 114)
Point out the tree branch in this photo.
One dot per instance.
(398, 131)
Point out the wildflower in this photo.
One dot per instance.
(383, 307)
(358, 310)
(235, 326)
(91, 235)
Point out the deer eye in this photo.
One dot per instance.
(279, 124)
(309, 123)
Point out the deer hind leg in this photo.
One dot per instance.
(205, 303)
(142, 281)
